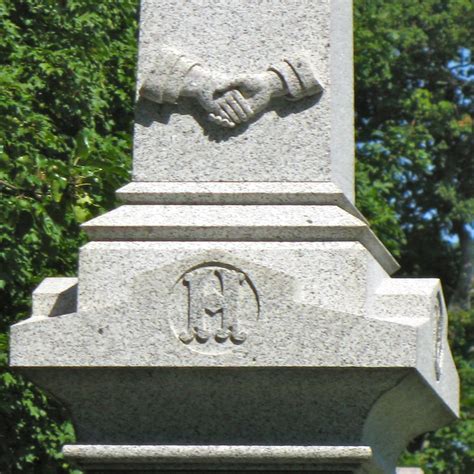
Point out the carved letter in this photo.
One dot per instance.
(213, 292)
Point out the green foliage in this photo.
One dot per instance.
(33, 430)
(66, 97)
(414, 109)
(415, 170)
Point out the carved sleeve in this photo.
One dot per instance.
(298, 77)
(166, 80)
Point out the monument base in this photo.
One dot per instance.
(352, 420)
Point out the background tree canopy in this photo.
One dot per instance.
(66, 98)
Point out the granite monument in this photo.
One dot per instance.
(236, 312)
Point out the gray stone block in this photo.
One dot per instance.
(237, 223)
(309, 140)
(322, 360)
(55, 296)
(236, 193)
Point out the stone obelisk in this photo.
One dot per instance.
(236, 313)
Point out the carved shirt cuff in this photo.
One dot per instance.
(298, 77)
(166, 80)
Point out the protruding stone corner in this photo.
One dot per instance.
(409, 409)
(55, 296)
(420, 303)
(408, 299)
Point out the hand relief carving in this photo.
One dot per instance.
(228, 101)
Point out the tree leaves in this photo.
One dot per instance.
(414, 128)
(415, 170)
(66, 96)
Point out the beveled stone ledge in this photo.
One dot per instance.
(219, 457)
(237, 193)
(245, 223)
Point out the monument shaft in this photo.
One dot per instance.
(299, 141)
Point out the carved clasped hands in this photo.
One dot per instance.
(228, 101)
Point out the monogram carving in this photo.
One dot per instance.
(215, 304)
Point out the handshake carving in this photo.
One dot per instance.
(228, 100)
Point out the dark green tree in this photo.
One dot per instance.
(415, 170)
(67, 73)
(414, 107)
